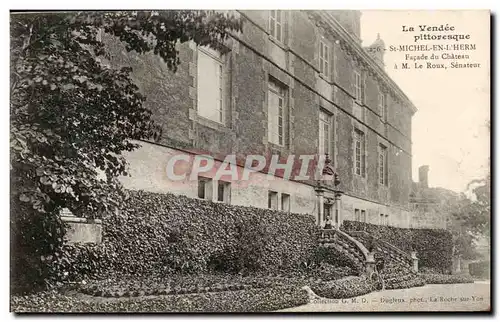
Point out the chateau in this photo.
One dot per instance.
(292, 83)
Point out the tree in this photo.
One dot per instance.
(476, 216)
(471, 218)
(72, 117)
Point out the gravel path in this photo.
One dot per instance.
(443, 297)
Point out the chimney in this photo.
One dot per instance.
(350, 21)
(377, 50)
(423, 176)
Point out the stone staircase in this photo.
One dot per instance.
(345, 245)
(398, 265)
(354, 246)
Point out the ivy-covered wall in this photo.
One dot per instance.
(433, 246)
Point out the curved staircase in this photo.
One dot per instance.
(346, 245)
(397, 271)
(354, 246)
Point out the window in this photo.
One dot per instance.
(358, 87)
(360, 215)
(325, 133)
(272, 200)
(324, 58)
(382, 164)
(224, 192)
(382, 106)
(359, 152)
(384, 219)
(285, 202)
(210, 85)
(205, 188)
(276, 24)
(276, 113)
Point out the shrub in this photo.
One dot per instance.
(333, 257)
(327, 272)
(446, 279)
(76, 262)
(428, 270)
(158, 234)
(34, 236)
(405, 281)
(182, 284)
(271, 240)
(480, 269)
(161, 233)
(253, 300)
(343, 288)
(434, 247)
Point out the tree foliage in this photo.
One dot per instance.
(471, 218)
(72, 117)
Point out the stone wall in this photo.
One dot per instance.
(82, 230)
(147, 171)
(432, 218)
(253, 57)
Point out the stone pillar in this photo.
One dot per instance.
(370, 263)
(321, 200)
(320, 192)
(338, 212)
(414, 262)
(456, 265)
(464, 267)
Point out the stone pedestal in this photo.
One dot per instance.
(414, 262)
(370, 263)
(457, 265)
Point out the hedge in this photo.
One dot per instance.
(434, 247)
(158, 234)
(253, 300)
(343, 288)
(131, 286)
(446, 279)
(404, 281)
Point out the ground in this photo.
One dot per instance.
(444, 297)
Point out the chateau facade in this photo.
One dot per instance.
(292, 83)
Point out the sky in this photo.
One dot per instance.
(449, 130)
